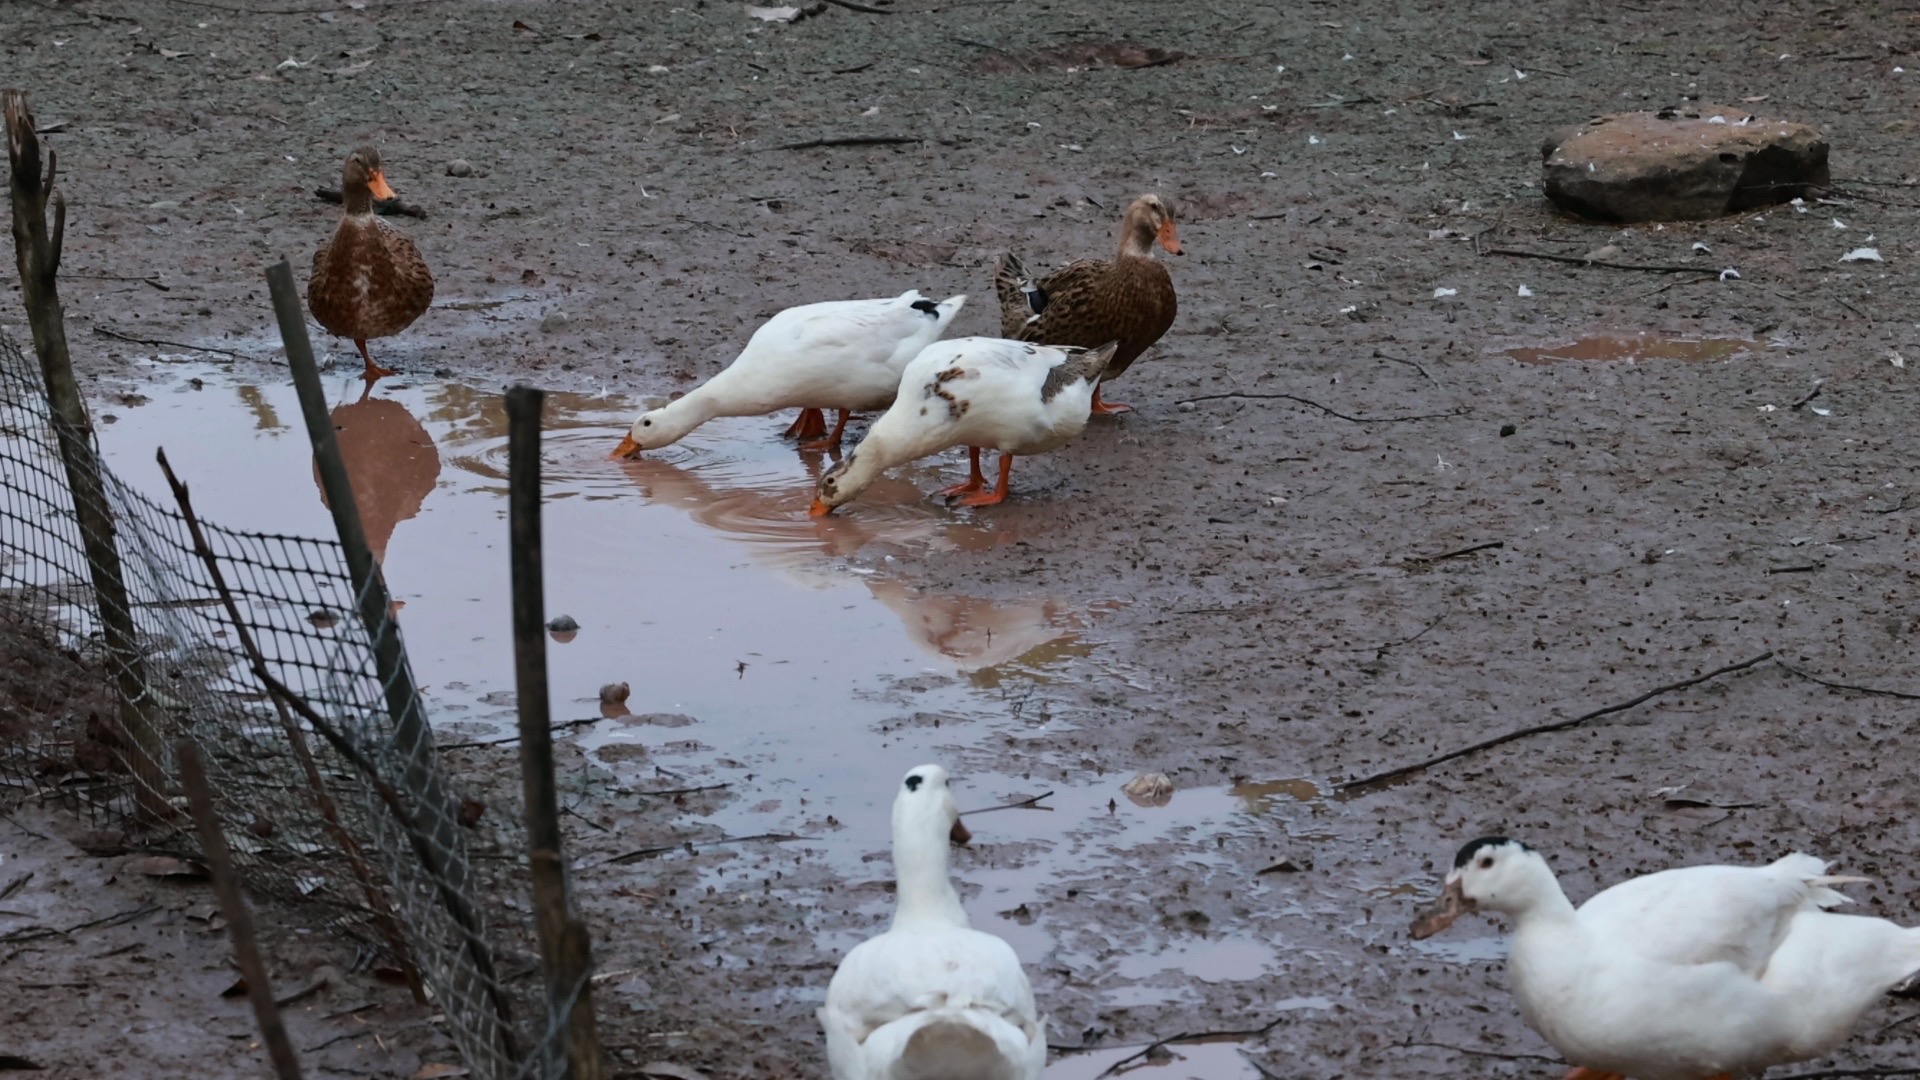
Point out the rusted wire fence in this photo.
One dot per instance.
(258, 649)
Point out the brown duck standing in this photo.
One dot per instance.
(1091, 302)
(369, 281)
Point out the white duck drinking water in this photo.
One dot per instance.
(931, 999)
(842, 354)
(975, 392)
(1687, 974)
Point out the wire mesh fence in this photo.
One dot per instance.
(147, 626)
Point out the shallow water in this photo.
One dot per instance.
(765, 650)
(1634, 348)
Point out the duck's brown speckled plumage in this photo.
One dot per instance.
(1129, 298)
(369, 281)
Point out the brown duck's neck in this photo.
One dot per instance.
(358, 197)
(1137, 239)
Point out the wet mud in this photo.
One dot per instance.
(1384, 496)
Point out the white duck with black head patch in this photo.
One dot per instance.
(1686, 974)
(932, 998)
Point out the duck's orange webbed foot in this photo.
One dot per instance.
(976, 480)
(830, 442)
(374, 371)
(1102, 407)
(810, 424)
(989, 498)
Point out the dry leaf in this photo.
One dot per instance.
(238, 989)
(166, 866)
(518, 25)
(171, 54)
(775, 14)
(437, 1070)
(1149, 789)
(669, 1071)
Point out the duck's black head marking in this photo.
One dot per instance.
(914, 781)
(927, 306)
(1472, 848)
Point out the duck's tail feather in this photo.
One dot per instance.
(1811, 870)
(956, 1047)
(1021, 299)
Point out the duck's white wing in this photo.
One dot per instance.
(901, 972)
(1710, 914)
(860, 327)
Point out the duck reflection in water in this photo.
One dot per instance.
(390, 459)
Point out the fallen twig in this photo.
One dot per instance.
(690, 846)
(1192, 1036)
(155, 282)
(1482, 1053)
(849, 140)
(1542, 729)
(157, 343)
(1457, 552)
(685, 790)
(1810, 395)
(995, 48)
(1329, 410)
(1810, 677)
(851, 6)
(1803, 568)
(1414, 364)
(1410, 640)
(1034, 802)
(383, 207)
(1576, 260)
(508, 740)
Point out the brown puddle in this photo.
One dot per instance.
(1634, 348)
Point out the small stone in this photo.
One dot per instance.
(555, 321)
(1188, 406)
(614, 693)
(459, 167)
(1701, 161)
(1149, 789)
(1507, 429)
(561, 624)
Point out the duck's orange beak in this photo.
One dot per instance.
(819, 508)
(626, 449)
(1436, 917)
(381, 189)
(1170, 237)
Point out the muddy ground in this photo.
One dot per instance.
(635, 209)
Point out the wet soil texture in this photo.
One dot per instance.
(1391, 489)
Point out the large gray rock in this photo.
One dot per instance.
(1699, 161)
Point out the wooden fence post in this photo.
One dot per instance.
(37, 253)
(565, 949)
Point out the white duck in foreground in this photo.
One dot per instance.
(1703, 971)
(842, 354)
(974, 392)
(931, 999)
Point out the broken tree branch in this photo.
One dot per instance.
(1542, 729)
(1192, 1036)
(383, 207)
(246, 947)
(1876, 691)
(1457, 552)
(1577, 260)
(1329, 410)
(849, 140)
(1033, 802)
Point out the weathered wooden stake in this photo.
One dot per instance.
(246, 947)
(565, 948)
(37, 253)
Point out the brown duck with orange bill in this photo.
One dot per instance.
(369, 281)
(1091, 302)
